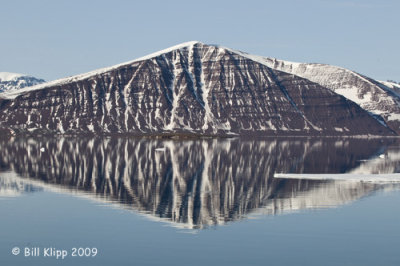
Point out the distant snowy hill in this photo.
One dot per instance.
(392, 85)
(15, 81)
(382, 99)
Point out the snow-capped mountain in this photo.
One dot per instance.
(197, 183)
(382, 99)
(191, 88)
(13, 81)
(392, 85)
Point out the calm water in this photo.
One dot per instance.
(197, 202)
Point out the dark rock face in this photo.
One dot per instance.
(193, 89)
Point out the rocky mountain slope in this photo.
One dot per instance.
(191, 88)
(14, 81)
(382, 99)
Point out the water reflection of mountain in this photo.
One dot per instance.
(13, 187)
(199, 182)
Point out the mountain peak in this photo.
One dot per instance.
(8, 76)
(167, 50)
(14, 81)
(15, 93)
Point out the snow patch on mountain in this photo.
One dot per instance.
(7, 76)
(11, 82)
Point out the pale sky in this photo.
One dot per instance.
(54, 39)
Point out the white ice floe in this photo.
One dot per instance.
(387, 178)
